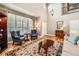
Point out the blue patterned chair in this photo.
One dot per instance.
(16, 37)
(34, 34)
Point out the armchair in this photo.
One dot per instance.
(34, 34)
(16, 37)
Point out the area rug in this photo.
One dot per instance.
(31, 49)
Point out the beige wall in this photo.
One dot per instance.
(57, 16)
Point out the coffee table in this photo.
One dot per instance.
(45, 45)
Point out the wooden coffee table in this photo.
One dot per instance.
(48, 42)
(45, 45)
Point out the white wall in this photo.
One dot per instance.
(43, 21)
(74, 27)
(43, 24)
(57, 16)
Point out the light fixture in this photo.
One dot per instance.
(52, 12)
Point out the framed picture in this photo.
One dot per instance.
(59, 24)
(73, 6)
(70, 8)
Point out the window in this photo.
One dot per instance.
(11, 22)
(16, 22)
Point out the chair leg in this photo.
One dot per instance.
(20, 43)
(31, 38)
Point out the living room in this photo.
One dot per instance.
(40, 25)
(21, 24)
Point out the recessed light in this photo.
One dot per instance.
(0, 20)
(1, 29)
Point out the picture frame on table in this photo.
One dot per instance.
(59, 24)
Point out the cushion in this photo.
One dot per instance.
(21, 38)
(73, 39)
(22, 33)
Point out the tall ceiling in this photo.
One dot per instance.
(36, 8)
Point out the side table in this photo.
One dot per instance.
(26, 37)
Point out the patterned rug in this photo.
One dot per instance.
(31, 49)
